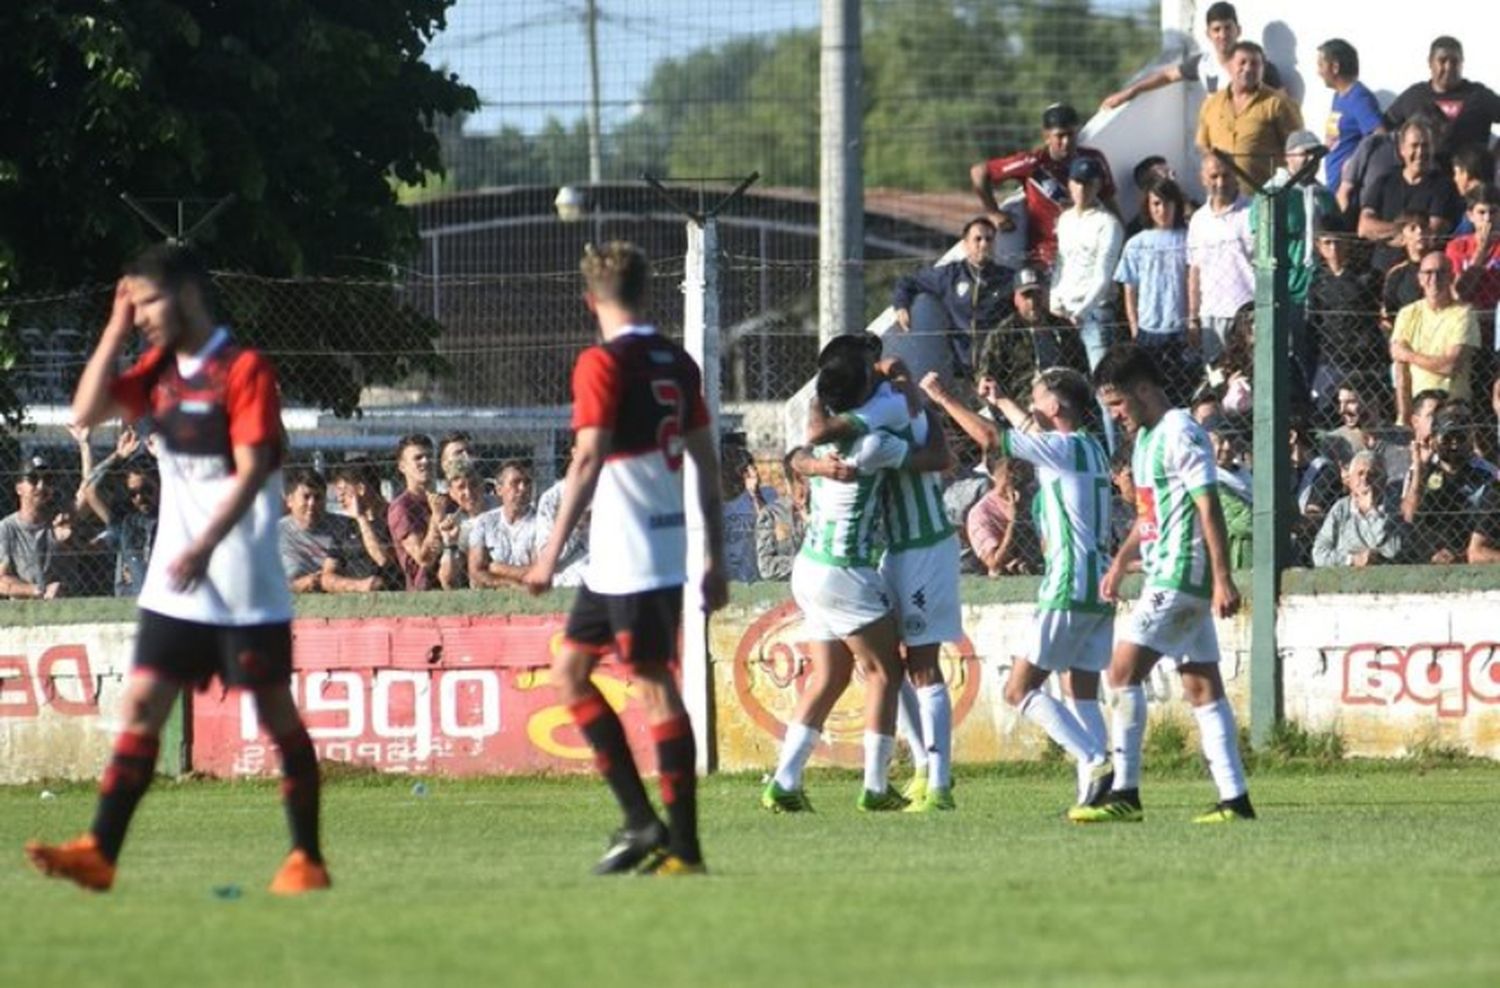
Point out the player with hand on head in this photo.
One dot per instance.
(1074, 624)
(215, 601)
(1180, 536)
(637, 409)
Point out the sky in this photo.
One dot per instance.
(528, 59)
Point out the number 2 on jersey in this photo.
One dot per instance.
(668, 395)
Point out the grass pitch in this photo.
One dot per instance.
(1366, 875)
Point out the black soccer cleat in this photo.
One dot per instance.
(629, 846)
(1229, 811)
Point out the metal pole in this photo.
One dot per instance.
(596, 169)
(700, 331)
(841, 301)
(1272, 457)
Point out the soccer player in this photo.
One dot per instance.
(637, 408)
(845, 603)
(1074, 626)
(1180, 536)
(215, 601)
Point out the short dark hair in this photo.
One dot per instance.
(1476, 160)
(1221, 12)
(449, 438)
(843, 380)
(1408, 217)
(173, 267)
(358, 471)
(1483, 193)
(1343, 54)
(413, 439)
(1070, 387)
(514, 463)
(977, 221)
(1437, 395)
(1170, 191)
(1141, 173)
(1446, 42)
(1125, 364)
(1248, 46)
(305, 477)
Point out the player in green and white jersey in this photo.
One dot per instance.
(845, 603)
(1074, 624)
(1184, 549)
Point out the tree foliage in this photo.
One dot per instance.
(308, 112)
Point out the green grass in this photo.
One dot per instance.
(1362, 875)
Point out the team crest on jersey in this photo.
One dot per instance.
(962, 288)
(1145, 507)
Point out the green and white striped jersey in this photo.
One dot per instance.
(1172, 462)
(841, 516)
(1072, 512)
(913, 501)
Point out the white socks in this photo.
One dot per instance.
(796, 748)
(1091, 716)
(1128, 731)
(1061, 726)
(878, 748)
(1221, 747)
(937, 727)
(909, 724)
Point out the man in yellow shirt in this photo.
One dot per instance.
(1249, 119)
(1435, 338)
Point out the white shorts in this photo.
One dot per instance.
(924, 582)
(1064, 640)
(1177, 625)
(837, 601)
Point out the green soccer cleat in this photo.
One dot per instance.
(916, 789)
(779, 800)
(1228, 811)
(1114, 809)
(889, 801)
(934, 800)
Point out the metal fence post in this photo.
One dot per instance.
(1272, 457)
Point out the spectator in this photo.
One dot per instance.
(504, 541)
(739, 477)
(1223, 34)
(574, 558)
(415, 516)
(1029, 340)
(1043, 175)
(1444, 488)
(1484, 540)
(1153, 276)
(1343, 314)
(1236, 495)
(1467, 108)
(1360, 429)
(1220, 278)
(1401, 286)
(1247, 119)
(1234, 372)
(130, 520)
(1360, 530)
(316, 547)
(356, 485)
(1147, 172)
(781, 525)
(1355, 113)
(1317, 487)
(1374, 159)
(974, 292)
(35, 540)
(1475, 256)
(1303, 213)
(1089, 239)
(1419, 186)
(1206, 405)
(959, 498)
(1122, 507)
(466, 494)
(999, 525)
(1435, 339)
(1472, 167)
(1420, 443)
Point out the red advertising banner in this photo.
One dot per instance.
(447, 695)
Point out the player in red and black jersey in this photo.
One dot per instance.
(637, 408)
(214, 602)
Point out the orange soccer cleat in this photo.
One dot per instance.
(300, 873)
(80, 861)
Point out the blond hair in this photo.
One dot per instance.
(618, 272)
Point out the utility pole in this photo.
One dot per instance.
(591, 19)
(841, 222)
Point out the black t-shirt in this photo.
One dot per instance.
(1343, 321)
(1465, 113)
(1434, 195)
(1487, 515)
(1401, 288)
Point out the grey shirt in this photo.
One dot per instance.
(1345, 531)
(331, 537)
(32, 552)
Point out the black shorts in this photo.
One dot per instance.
(640, 627)
(248, 657)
